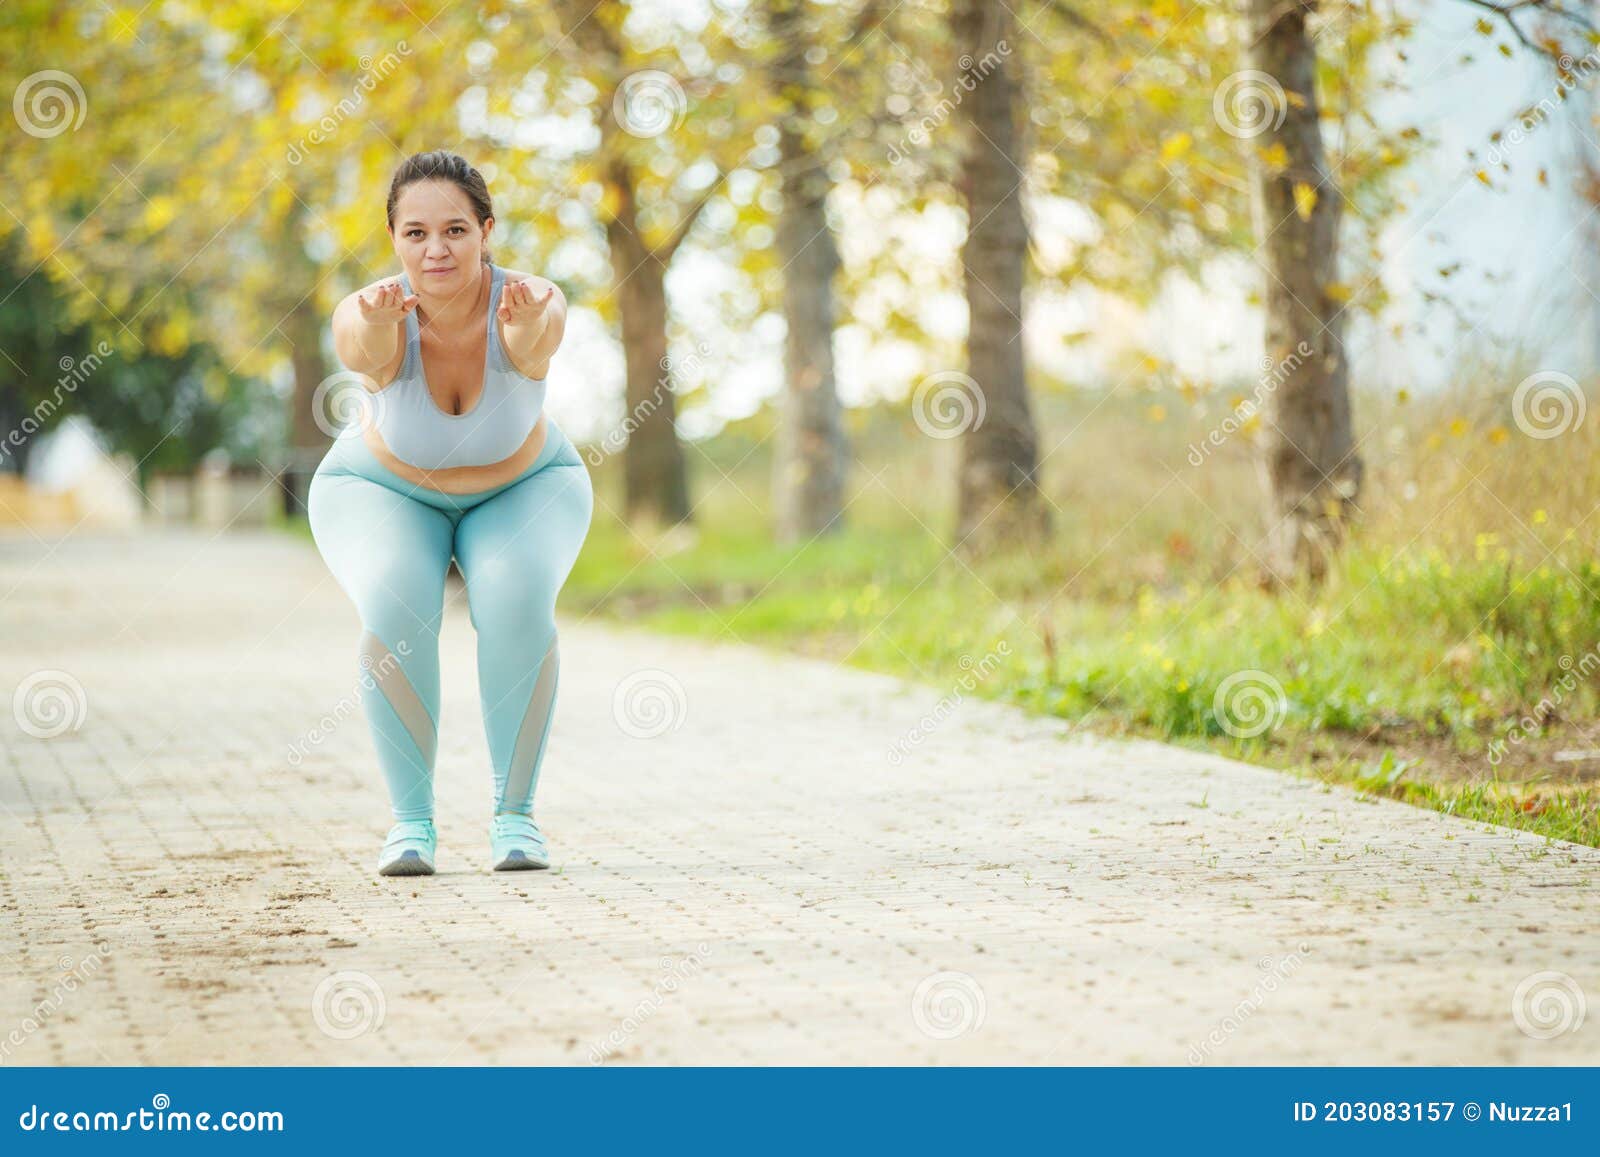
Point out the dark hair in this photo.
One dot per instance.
(442, 165)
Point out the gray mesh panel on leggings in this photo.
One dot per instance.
(402, 696)
(531, 733)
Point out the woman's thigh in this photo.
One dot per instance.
(520, 545)
(387, 551)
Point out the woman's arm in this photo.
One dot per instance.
(366, 327)
(533, 314)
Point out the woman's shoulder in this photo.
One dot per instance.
(538, 283)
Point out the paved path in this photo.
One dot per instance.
(760, 883)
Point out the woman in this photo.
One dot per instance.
(453, 456)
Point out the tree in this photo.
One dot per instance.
(1308, 456)
(999, 500)
(809, 463)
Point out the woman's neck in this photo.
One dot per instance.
(457, 312)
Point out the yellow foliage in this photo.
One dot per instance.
(159, 212)
(1305, 200)
(1275, 157)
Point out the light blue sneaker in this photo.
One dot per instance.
(516, 843)
(409, 849)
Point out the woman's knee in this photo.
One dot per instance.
(505, 601)
(398, 600)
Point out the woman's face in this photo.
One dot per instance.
(437, 237)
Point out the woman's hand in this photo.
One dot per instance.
(521, 307)
(388, 306)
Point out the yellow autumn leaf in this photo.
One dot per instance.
(1175, 146)
(159, 212)
(1482, 176)
(1275, 157)
(1338, 291)
(1305, 200)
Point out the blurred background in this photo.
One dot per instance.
(1211, 371)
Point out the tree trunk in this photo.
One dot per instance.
(13, 458)
(810, 456)
(1308, 461)
(999, 502)
(655, 485)
(307, 441)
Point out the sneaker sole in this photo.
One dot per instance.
(518, 861)
(409, 864)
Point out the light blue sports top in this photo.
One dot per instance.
(419, 432)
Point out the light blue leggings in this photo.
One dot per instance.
(389, 543)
